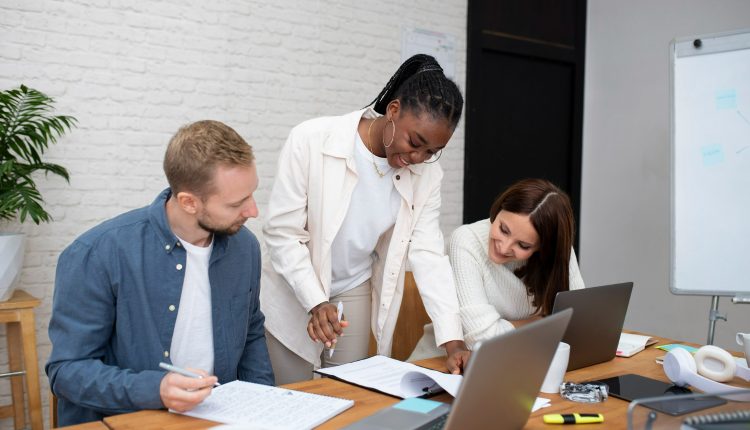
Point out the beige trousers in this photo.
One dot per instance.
(289, 367)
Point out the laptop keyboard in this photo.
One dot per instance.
(439, 424)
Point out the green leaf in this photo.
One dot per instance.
(27, 128)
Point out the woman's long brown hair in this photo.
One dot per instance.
(547, 270)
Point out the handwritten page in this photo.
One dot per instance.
(266, 407)
(394, 377)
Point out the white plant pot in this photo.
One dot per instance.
(11, 260)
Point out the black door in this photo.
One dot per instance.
(524, 97)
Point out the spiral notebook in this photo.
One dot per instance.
(267, 407)
(731, 420)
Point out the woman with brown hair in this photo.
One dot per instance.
(508, 268)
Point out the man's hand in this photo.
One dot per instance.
(458, 356)
(324, 324)
(182, 393)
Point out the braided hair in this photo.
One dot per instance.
(421, 86)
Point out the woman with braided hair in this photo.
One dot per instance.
(355, 198)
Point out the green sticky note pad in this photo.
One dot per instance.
(672, 346)
(415, 404)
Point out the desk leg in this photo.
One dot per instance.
(15, 363)
(32, 368)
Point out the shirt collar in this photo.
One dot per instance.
(340, 140)
(169, 241)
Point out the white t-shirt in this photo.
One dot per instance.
(193, 337)
(372, 211)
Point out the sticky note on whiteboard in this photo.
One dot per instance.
(712, 155)
(726, 99)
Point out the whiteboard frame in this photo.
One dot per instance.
(683, 47)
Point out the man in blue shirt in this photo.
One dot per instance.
(177, 281)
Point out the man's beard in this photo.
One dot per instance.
(221, 231)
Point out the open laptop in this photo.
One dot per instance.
(594, 331)
(499, 387)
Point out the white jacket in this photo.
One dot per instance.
(311, 194)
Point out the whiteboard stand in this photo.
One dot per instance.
(714, 315)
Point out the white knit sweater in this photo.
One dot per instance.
(490, 295)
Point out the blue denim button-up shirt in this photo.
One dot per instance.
(112, 315)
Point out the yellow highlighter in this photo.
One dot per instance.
(573, 418)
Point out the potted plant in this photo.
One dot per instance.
(27, 128)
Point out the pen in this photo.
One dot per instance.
(183, 372)
(573, 418)
(340, 312)
(432, 389)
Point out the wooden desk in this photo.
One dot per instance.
(368, 402)
(94, 425)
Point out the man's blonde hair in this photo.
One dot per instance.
(197, 149)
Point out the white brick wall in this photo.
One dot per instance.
(133, 71)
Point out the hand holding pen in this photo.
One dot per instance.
(325, 324)
(182, 389)
(340, 313)
(185, 372)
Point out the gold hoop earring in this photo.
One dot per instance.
(393, 136)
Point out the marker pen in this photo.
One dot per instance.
(573, 418)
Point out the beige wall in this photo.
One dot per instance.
(625, 218)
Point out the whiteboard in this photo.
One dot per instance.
(442, 46)
(710, 208)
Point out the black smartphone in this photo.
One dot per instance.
(631, 387)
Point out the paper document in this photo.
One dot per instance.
(631, 344)
(267, 407)
(401, 379)
(540, 403)
(394, 377)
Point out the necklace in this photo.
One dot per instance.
(369, 146)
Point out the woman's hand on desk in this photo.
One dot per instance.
(324, 324)
(458, 356)
(183, 393)
(523, 322)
